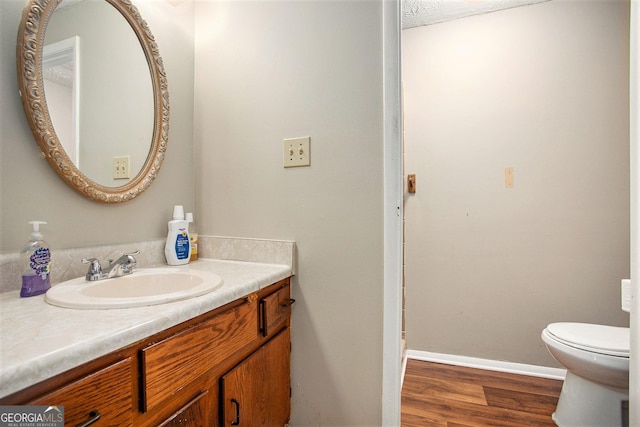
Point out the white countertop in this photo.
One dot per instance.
(39, 340)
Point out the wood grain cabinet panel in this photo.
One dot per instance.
(106, 393)
(257, 391)
(193, 414)
(275, 310)
(173, 363)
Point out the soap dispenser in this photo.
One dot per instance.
(36, 264)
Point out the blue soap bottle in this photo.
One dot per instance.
(36, 264)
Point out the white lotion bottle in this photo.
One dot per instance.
(177, 250)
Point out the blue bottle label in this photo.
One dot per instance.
(182, 244)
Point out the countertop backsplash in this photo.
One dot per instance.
(67, 264)
(248, 249)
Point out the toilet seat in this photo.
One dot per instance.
(609, 340)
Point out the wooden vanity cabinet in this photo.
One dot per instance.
(171, 364)
(185, 370)
(188, 375)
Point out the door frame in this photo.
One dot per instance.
(392, 122)
(634, 152)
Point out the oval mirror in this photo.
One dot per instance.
(94, 90)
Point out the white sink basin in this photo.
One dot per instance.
(148, 286)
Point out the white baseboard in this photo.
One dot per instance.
(404, 368)
(490, 365)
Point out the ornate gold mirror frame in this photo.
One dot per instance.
(35, 18)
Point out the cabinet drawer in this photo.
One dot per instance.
(275, 310)
(193, 414)
(106, 392)
(171, 364)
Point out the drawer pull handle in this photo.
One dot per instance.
(237, 421)
(290, 303)
(93, 417)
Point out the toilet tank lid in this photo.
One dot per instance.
(612, 340)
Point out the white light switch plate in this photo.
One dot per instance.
(296, 152)
(121, 167)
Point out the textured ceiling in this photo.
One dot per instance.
(59, 74)
(416, 13)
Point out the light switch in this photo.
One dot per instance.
(121, 167)
(296, 152)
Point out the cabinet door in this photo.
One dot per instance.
(256, 392)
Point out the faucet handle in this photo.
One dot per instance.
(125, 259)
(95, 269)
(95, 264)
(130, 261)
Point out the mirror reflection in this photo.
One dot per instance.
(61, 76)
(98, 89)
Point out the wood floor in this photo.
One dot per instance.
(436, 395)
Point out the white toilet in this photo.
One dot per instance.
(595, 392)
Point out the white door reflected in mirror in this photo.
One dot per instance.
(61, 79)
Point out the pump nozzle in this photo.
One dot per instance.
(36, 235)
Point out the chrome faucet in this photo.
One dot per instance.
(120, 267)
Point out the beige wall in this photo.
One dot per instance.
(29, 189)
(542, 89)
(266, 71)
